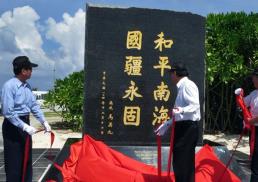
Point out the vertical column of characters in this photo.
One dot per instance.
(161, 93)
(110, 118)
(102, 103)
(133, 68)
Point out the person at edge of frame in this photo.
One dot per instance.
(186, 111)
(18, 102)
(251, 101)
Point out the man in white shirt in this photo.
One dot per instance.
(187, 114)
(251, 101)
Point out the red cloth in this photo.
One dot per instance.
(93, 161)
(247, 115)
(208, 168)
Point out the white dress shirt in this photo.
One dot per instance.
(188, 99)
(252, 101)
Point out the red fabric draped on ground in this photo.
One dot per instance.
(208, 168)
(93, 161)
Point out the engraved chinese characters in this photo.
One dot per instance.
(133, 67)
(128, 90)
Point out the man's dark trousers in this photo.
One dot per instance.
(185, 141)
(14, 147)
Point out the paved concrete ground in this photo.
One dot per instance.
(230, 141)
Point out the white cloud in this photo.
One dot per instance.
(22, 34)
(22, 22)
(69, 33)
(19, 36)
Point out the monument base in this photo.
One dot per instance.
(148, 155)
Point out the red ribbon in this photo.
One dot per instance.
(26, 156)
(171, 148)
(246, 113)
(233, 153)
(247, 126)
(27, 149)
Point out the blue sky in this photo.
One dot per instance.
(51, 32)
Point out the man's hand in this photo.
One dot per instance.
(238, 91)
(163, 127)
(177, 110)
(46, 126)
(29, 129)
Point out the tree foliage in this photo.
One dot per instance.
(231, 54)
(67, 95)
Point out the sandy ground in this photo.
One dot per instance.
(42, 140)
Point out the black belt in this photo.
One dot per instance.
(25, 117)
(186, 122)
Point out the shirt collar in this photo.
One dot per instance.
(181, 81)
(19, 83)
